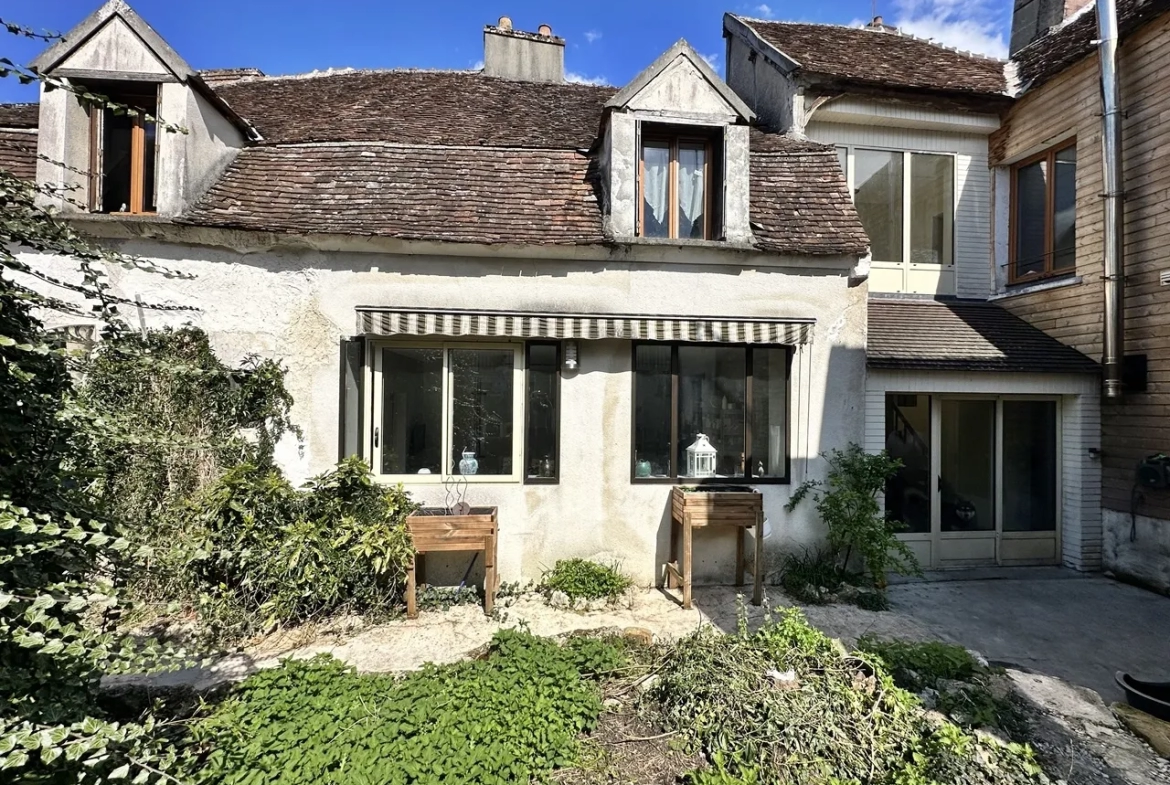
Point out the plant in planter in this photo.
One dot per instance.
(848, 503)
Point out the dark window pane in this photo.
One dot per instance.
(541, 444)
(877, 176)
(1029, 466)
(691, 191)
(712, 387)
(652, 414)
(481, 411)
(148, 170)
(1065, 210)
(932, 208)
(769, 412)
(908, 440)
(968, 465)
(116, 135)
(412, 410)
(655, 190)
(1031, 199)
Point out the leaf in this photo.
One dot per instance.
(119, 773)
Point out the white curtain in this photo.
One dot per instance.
(690, 192)
(656, 215)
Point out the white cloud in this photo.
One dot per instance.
(575, 78)
(971, 25)
(765, 11)
(477, 66)
(712, 59)
(592, 35)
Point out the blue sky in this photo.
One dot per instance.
(607, 40)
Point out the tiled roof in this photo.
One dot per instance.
(800, 201)
(881, 58)
(220, 76)
(19, 115)
(420, 107)
(18, 153)
(1067, 45)
(413, 192)
(958, 335)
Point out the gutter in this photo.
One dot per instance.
(1113, 338)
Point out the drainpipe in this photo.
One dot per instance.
(1114, 334)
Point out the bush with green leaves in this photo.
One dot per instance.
(847, 502)
(785, 704)
(264, 553)
(512, 717)
(581, 579)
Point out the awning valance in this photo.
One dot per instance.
(377, 320)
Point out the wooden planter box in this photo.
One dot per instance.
(711, 506)
(432, 529)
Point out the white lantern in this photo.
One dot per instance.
(701, 457)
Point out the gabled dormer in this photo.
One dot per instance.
(675, 160)
(156, 158)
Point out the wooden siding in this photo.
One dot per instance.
(1070, 104)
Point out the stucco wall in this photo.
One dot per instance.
(296, 305)
(762, 86)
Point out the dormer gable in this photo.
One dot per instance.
(156, 160)
(675, 156)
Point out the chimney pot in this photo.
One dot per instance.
(545, 30)
(505, 23)
(877, 21)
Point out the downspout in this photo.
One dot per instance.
(1114, 334)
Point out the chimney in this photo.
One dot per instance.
(879, 24)
(525, 57)
(1031, 19)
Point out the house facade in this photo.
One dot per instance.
(996, 422)
(497, 287)
(504, 289)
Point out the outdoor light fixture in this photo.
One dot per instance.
(570, 355)
(701, 457)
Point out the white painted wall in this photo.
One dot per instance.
(296, 305)
(971, 273)
(1079, 428)
(762, 86)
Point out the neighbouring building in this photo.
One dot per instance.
(995, 421)
(858, 236)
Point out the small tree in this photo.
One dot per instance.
(848, 504)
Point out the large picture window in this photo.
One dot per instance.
(906, 202)
(448, 410)
(1043, 215)
(736, 396)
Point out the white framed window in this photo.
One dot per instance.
(906, 201)
(447, 409)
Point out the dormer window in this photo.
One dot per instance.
(123, 150)
(678, 182)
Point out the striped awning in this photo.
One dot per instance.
(374, 320)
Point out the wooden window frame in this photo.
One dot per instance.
(673, 142)
(1048, 156)
(97, 174)
(556, 476)
(749, 458)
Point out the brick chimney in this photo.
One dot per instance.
(525, 57)
(1031, 19)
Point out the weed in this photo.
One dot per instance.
(815, 578)
(580, 579)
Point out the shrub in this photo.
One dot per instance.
(581, 579)
(266, 554)
(848, 503)
(513, 717)
(786, 704)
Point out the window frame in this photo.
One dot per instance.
(123, 95)
(1049, 156)
(519, 390)
(556, 476)
(673, 141)
(907, 200)
(749, 457)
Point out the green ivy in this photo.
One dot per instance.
(512, 717)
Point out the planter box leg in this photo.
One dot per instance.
(758, 569)
(739, 554)
(411, 586)
(489, 576)
(688, 576)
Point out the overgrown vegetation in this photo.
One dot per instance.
(584, 580)
(847, 502)
(512, 717)
(816, 578)
(788, 705)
